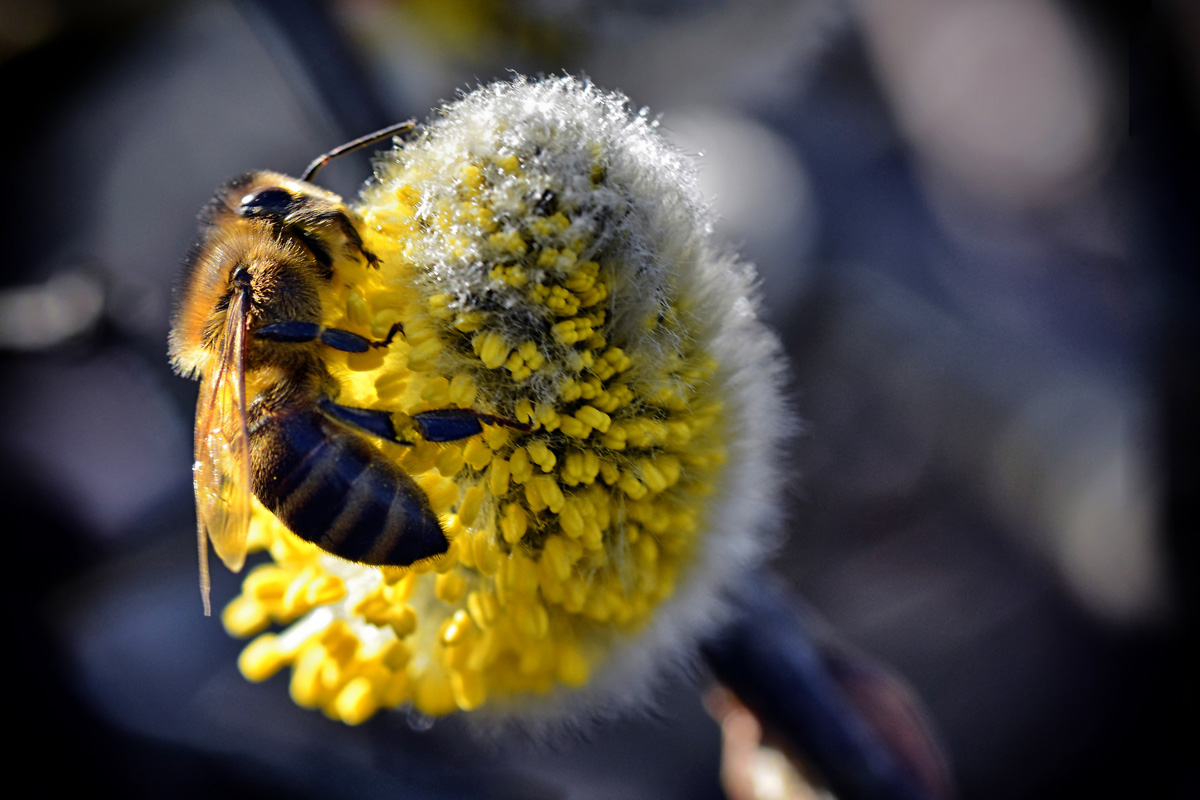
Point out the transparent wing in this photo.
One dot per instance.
(221, 472)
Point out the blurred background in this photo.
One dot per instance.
(972, 221)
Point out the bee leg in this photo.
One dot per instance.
(447, 424)
(290, 331)
(353, 239)
(397, 327)
(338, 339)
(349, 342)
(442, 425)
(452, 424)
(503, 422)
(296, 331)
(376, 423)
(345, 341)
(439, 425)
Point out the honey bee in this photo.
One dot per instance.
(248, 324)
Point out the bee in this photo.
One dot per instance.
(248, 323)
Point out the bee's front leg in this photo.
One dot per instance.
(314, 214)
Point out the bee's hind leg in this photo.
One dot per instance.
(438, 425)
(374, 422)
(452, 424)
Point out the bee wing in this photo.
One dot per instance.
(221, 472)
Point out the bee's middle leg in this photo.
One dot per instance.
(338, 339)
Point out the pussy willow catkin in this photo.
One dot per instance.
(550, 259)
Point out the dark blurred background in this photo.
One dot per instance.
(972, 221)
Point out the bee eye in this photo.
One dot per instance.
(240, 277)
(267, 203)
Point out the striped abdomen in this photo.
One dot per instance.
(332, 488)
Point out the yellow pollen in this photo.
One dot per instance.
(574, 514)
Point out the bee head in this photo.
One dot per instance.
(240, 277)
(273, 202)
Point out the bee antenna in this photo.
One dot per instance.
(362, 141)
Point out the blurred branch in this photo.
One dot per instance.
(856, 723)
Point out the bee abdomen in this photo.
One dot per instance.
(330, 487)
